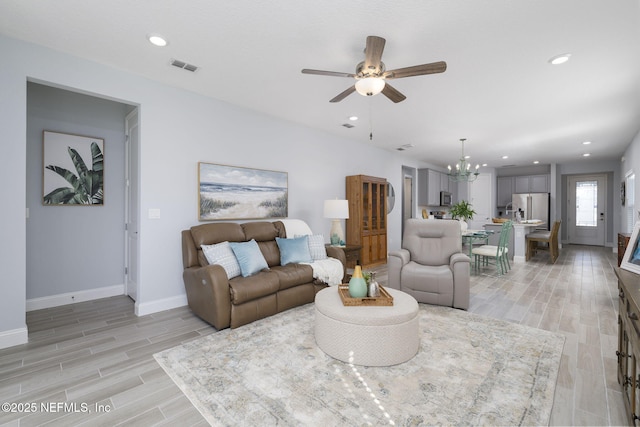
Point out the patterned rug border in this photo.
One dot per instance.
(232, 383)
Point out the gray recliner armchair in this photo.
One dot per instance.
(431, 266)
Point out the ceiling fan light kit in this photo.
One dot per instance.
(463, 168)
(370, 86)
(371, 74)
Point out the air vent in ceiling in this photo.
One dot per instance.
(348, 125)
(184, 65)
(405, 147)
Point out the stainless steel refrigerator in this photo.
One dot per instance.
(532, 206)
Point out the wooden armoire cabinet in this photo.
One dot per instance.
(367, 223)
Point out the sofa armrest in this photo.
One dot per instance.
(338, 253)
(397, 260)
(461, 267)
(459, 257)
(208, 294)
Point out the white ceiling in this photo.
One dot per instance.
(499, 91)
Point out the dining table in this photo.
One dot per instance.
(471, 237)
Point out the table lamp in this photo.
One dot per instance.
(336, 210)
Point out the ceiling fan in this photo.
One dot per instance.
(371, 75)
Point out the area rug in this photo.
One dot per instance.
(469, 370)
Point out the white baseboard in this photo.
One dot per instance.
(73, 297)
(143, 309)
(14, 337)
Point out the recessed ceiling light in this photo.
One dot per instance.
(560, 59)
(535, 162)
(353, 118)
(157, 39)
(586, 143)
(505, 157)
(484, 165)
(586, 154)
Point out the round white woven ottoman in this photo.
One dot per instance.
(368, 336)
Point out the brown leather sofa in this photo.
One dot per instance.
(231, 303)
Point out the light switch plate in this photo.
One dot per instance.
(154, 213)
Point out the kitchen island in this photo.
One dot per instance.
(520, 231)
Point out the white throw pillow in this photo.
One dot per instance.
(317, 248)
(222, 255)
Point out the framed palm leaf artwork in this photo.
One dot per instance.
(73, 173)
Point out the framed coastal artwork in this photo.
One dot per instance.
(631, 260)
(73, 173)
(233, 192)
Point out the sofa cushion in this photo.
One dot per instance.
(222, 254)
(209, 234)
(260, 231)
(243, 289)
(249, 257)
(270, 252)
(293, 275)
(294, 250)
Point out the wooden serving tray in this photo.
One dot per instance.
(384, 299)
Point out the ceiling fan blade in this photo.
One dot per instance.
(373, 53)
(417, 70)
(344, 94)
(327, 73)
(392, 93)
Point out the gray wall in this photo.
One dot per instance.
(73, 248)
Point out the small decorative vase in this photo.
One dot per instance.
(463, 225)
(374, 288)
(357, 284)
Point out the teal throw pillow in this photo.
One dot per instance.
(249, 257)
(294, 250)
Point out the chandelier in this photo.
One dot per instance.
(463, 168)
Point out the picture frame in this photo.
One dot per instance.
(623, 192)
(631, 259)
(72, 169)
(233, 192)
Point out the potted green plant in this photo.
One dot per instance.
(462, 211)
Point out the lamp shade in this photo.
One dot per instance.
(336, 209)
(370, 86)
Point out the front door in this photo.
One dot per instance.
(586, 216)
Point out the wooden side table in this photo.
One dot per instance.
(352, 253)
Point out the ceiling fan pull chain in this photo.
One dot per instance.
(370, 119)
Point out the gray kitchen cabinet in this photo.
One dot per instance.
(531, 184)
(539, 184)
(505, 190)
(429, 183)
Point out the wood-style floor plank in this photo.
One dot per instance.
(100, 353)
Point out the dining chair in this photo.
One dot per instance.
(500, 253)
(549, 237)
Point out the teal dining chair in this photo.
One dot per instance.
(500, 253)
